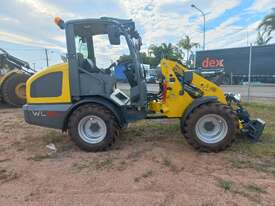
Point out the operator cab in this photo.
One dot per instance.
(88, 76)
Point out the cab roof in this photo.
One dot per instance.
(95, 26)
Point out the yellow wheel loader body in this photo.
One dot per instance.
(45, 75)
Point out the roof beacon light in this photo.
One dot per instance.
(59, 22)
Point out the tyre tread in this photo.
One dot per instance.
(90, 108)
(189, 124)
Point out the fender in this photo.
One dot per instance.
(196, 103)
(117, 111)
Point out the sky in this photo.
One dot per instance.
(27, 28)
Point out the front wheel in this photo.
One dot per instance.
(211, 127)
(93, 128)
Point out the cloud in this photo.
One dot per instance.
(18, 39)
(45, 8)
(30, 22)
(262, 5)
(169, 20)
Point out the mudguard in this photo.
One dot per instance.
(197, 102)
(116, 110)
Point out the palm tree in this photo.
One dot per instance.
(261, 40)
(268, 24)
(165, 51)
(187, 44)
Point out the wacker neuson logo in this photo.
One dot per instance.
(39, 114)
(45, 113)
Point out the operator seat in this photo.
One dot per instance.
(87, 64)
(92, 80)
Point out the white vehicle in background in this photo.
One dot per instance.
(151, 74)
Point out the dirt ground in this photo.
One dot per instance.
(151, 164)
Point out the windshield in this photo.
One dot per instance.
(106, 53)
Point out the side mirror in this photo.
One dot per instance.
(114, 35)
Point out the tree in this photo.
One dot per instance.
(165, 51)
(187, 44)
(152, 61)
(149, 59)
(261, 40)
(268, 25)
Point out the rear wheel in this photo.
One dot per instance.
(211, 127)
(93, 128)
(14, 89)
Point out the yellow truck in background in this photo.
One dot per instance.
(14, 73)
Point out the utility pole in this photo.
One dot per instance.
(47, 57)
(33, 65)
(203, 15)
(249, 72)
(247, 41)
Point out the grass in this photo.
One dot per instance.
(94, 164)
(6, 176)
(173, 167)
(103, 164)
(266, 146)
(259, 156)
(78, 166)
(255, 188)
(43, 157)
(167, 162)
(251, 191)
(61, 142)
(166, 128)
(154, 130)
(53, 137)
(135, 155)
(151, 130)
(259, 164)
(225, 184)
(146, 174)
(122, 165)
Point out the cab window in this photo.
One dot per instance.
(81, 46)
(105, 53)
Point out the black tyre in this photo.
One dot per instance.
(211, 127)
(14, 89)
(93, 127)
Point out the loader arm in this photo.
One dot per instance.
(180, 88)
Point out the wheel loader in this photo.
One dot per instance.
(14, 73)
(83, 99)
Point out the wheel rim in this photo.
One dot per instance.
(211, 128)
(20, 90)
(92, 129)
